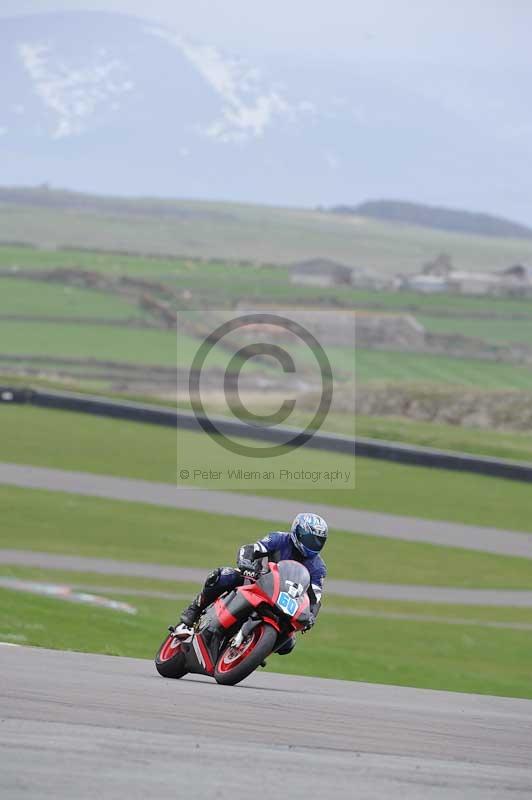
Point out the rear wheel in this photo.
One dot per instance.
(170, 659)
(236, 663)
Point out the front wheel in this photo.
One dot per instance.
(236, 663)
(170, 659)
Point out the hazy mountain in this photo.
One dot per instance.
(445, 219)
(108, 103)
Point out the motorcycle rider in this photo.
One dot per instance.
(303, 543)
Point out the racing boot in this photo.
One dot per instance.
(287, 645)
(190, 615)
(208, 595)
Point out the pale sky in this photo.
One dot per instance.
(419, 99)
(472, 32)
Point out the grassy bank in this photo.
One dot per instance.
(479, 441)
(500, 444)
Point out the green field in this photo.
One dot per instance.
(223, 281)
(377, 365)
(207, 280)
(158, 348)
(493, 331)
(35, 298)
(89, 341)
(457, 306)
(147, 451)
(21, 258)
(149, 347)
(105, 343)
(216, 283)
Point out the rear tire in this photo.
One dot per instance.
(170, 660)
(232, 668)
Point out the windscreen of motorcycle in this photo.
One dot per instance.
(292, 579)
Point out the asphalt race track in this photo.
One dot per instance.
(86, 726)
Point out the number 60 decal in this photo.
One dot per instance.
(287, 603)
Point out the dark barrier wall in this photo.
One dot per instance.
(369, 448)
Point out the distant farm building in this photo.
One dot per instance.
(518, 273)
(426, 284)
(475, 283)
(517, 280)
(440, 266)
(512, 281)
(321, 272)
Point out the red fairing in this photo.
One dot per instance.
(303, 606)
(225, 618)
(274, 569)
(272, 622)
(254, 595)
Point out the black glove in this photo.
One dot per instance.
(310, 623)
(249, 568)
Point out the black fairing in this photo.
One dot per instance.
(267, 584)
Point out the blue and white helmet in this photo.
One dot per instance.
(309, 534)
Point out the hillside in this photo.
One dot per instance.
(446, 219)
(52, 219)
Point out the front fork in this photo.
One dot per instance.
(245, 630)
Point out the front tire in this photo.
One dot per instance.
(235, 664)
(170, 661)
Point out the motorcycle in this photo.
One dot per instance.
(237, 632)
